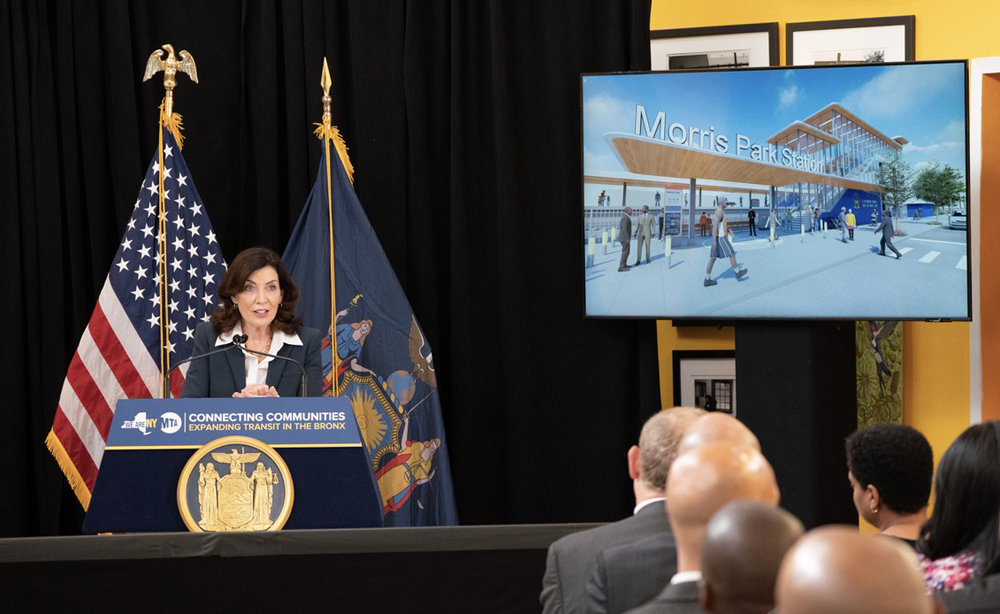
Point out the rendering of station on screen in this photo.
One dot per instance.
(821, 192)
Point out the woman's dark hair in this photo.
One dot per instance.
(226, 315)
(966, 514)
(897, 460)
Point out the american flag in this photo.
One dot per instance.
(119, 352)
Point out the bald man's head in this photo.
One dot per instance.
(835, 569)
(741, 553)
(714, 428)
(706, 478)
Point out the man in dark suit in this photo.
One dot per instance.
(701, 482)
(632, 574)
(887, 232)
(571, 559)
(625, 237)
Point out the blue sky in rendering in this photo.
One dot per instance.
(925, 103)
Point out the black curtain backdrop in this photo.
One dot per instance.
(463, 122)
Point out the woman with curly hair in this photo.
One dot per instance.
(890, 468)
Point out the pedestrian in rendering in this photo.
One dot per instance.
(842, 222)
(752, 220)
(852, 223)
(644, 234)
(721, 246)
(887, 232)
(703, 223)
(815, 222)
(625, 236)
(600, 198)
(773, 224)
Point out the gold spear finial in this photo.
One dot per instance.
(325, 83)
(170, 66)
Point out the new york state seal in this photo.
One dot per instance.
(235, 483)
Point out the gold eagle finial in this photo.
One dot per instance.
(170, 66)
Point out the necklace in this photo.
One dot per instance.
(266, 349)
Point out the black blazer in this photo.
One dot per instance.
(681, 598)
(571, 559)
(222, 374)
(628, 576)
(976, 599)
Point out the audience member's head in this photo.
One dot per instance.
(715, 427)
(890, 468)
(649, 462)
(744, 545)
(967, 497)
(834, 570)
(703, 480)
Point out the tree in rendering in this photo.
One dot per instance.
(941, 186)
(895, 178)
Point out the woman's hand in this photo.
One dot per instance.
(256, 390)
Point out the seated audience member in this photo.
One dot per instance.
(629, 575)
(571, 558)
(700, 483)
(716, 427)
(890, 468)
(741, 553)
(981, 598)
(962, 536)
(836, 570)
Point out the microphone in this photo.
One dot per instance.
(237, 340)
(303, 387)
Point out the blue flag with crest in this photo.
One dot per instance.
(377, 356)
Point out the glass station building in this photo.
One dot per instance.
(849, 147)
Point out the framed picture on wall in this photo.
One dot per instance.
(850, 41)
(706, 379)
(735, 46)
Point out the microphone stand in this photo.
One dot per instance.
(237, 340)
(303, 386)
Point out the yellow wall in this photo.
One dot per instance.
(936, 356)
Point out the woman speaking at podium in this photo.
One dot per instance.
(254, 339)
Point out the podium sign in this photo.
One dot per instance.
(151, 440)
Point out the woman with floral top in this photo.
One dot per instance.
(963, 533)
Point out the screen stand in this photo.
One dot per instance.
(796, 391)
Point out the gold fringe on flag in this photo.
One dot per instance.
(332, 133)
(69, 469)
(175, 124)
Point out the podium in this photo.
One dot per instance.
(151, 440)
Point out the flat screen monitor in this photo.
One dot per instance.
(819, 192)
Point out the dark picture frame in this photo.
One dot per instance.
(718, 38)
(726, 404)
(797, 33)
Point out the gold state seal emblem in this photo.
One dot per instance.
(235, 483)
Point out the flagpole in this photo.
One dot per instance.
(161, 265)
(170, 121)
(325, 83)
